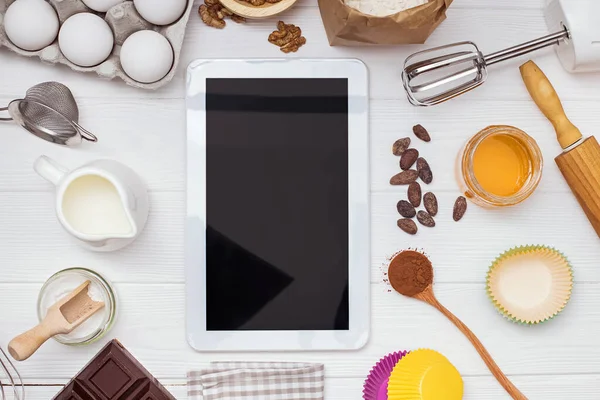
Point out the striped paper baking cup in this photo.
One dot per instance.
(425, 375)
(530, 284)
(375, 387)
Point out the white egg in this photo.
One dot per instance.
(85, 39)
(160, 12)
(31, 24)
(146, 56)
(101, 5)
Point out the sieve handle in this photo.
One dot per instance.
(5, 119)
(85, 134)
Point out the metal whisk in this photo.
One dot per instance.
(433, 76)
(10, 379)
(50, 112)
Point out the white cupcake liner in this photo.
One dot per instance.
(530, 284)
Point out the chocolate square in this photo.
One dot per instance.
(109, 379)
(114, 374)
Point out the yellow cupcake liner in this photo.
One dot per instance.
(425, 375)
(530, 284)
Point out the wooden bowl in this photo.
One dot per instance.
(247, 10)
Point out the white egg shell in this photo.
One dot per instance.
(146, 56)
(101, 5)
(85, 39)
(160, 12)
(31, 24)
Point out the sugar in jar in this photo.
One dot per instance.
(64, 282)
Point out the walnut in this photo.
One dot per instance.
(213, 14)
(278, 38)
(238, 19)
(218, 12)
(226, 12)
(284, 34)
(258, 3)
(209, 17)
(294, 45)
(288, 37)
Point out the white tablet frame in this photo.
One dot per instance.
(358, 201)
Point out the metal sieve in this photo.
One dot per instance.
(50, 112)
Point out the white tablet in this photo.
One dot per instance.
(277, 227)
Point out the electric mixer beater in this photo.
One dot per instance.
(435, 75)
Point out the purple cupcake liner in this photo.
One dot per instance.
(375, 387)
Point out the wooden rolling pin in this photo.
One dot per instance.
(580, 161)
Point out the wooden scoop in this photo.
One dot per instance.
(579, 163)
(411, 274)
(62, 318)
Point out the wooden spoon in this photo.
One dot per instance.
(62, 318)
(411, 274)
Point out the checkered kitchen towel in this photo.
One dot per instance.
(257, 381)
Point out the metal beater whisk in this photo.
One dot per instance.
(10, 379)
(454, 69)
(50, 112)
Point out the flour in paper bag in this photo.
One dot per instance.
(382, 8)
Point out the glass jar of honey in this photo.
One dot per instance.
(499, 166)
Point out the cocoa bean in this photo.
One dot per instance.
(430, 203)
(404, 177)
(421, 133)
(400, 146)
(414, 194)
(425, 219)
(424, 170)
(460, 207)
(408, 158)
(406, 209)
(408, 226)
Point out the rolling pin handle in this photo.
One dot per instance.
(543, 94)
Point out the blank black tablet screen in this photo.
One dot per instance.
(277, 204)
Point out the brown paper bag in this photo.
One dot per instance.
(346, 26)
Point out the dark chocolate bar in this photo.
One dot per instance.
(114, 374)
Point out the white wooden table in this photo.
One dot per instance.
(146, 130)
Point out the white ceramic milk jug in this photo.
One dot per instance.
(103, 204)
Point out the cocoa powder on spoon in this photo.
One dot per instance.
(410, 272)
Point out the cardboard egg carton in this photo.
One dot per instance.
(124, 20)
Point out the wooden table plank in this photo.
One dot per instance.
(151, 324)
(538, 387)
(501, 28)
(460, 251)
(149, 136)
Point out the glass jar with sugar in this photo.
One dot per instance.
(64, 282)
